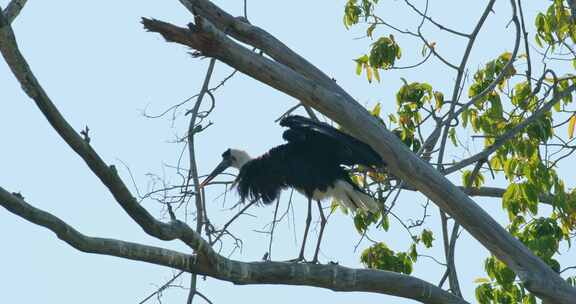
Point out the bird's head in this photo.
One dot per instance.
(230, 158)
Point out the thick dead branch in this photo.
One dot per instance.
(13, 10)
(210, 263)
(535, 274)
(257, 37)
(68, 234)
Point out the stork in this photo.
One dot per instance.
(312, 161)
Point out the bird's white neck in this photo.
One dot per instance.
(241, 158)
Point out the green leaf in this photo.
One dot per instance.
(333, 206)
(376, 110)
(351, 13)
(530, 193)
(385, 222)
(370, 30)
(466, 178)
(427, 238)
(377, 75)
(359, 223)
(557, 107)
(452, 135)
(571, 126)
(413, 252)
(464, 118)
(368, 72)
(474, 120)
(481, 280)
(384, 53)
(358, 68)
(538, 41)
(479, 180)
(379, 256)
(484, 294)
(467, 182)
(529, 299)
(510, 198)
(439, 97)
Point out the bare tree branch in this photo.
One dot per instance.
(526, 45)
(493, 192)
(13, 10)
(333, 277)
(68, 234)
(201, 216)
(512, 132)
(107, 174)
(440, 26)
(162, 288)
(499, 192)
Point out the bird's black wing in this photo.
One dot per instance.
(329, 141)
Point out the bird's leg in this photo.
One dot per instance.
(308, 220)
(322, 225)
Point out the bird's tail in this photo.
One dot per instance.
(352, 197)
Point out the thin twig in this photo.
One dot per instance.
(526, 46)
(161, 288)
(272, 229)
(440, 26)
(201, 217)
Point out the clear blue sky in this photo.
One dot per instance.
(102, 70)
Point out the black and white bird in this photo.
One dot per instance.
(315, 161)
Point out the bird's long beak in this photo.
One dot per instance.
(223, 165)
